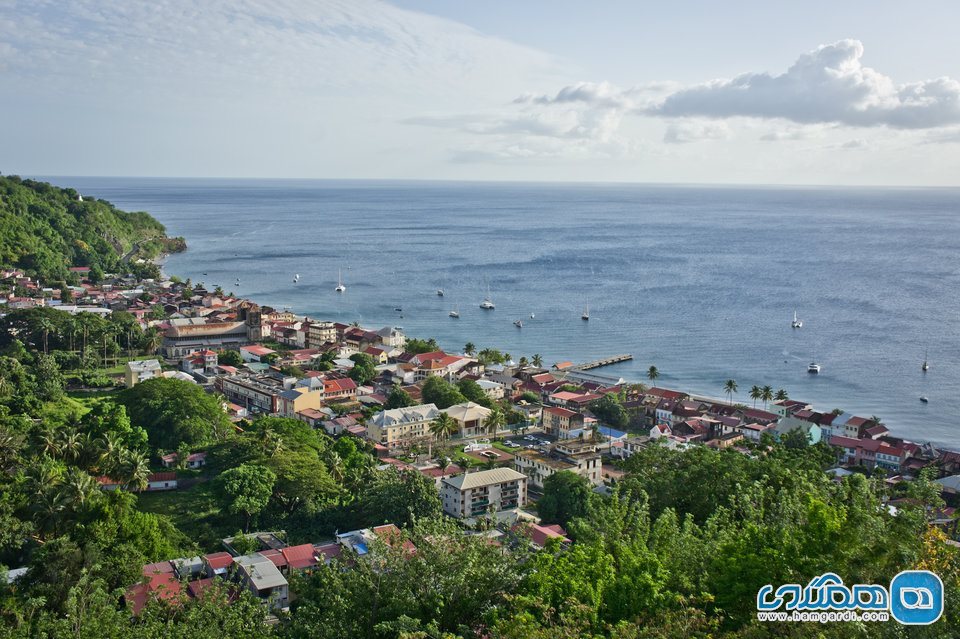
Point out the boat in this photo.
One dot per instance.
(796, 323)
(487, 303)
(518, 323)
(532, 315)
(398, 309)
(439, 292)
(813, 368)
(926, 364)
(923, 398)
(340, 287)
(455, 313)
(586, 313)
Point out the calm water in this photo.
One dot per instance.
(702, 282)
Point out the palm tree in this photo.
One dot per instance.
(755, 394)
(71, 445)
(730, 387)
(766, 394)
(443, 426)
(781, 395)
(335, 467)
(152, 339)
(469, 348)
(653, 373)
(495, 421)
(79, 488)
(48, 510)
(523, 362)
(111, 452)
(537, 360)
(134, 471)
(46, 327)
(48, 441)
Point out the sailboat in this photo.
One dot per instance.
(455, 313)
(340, 287)
(925, 364)
(586, 313)
(487, 303)
(296, 278)
(518, 323)
(439, 292)
(796, 323)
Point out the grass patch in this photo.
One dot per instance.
(505, 448)
(195, 511)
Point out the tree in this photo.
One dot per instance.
(247, 488)
(173, 411)
(440, 392)
(781, 395)
(50, 382)
(364, 369)
(469, 348)
(522, 363)
(229, 358)
(495, 421)
(302, 483)
(443, 426)
(397, 497)
(530, 397)
(537, 360)
(565, 495)
(474, 393)
(730, 387)
(398, 398)
(766, 394)
(755, 394)
(653, 373)
(609, 410)
(418, 346)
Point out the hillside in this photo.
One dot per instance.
(45, 229)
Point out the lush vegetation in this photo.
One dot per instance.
(45, 230)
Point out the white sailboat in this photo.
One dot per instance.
(518, 323)
(455, 313)
(586, 313)
(926, 364)
(796, 323)
(340, 287)
(487, 303)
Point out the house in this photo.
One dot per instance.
(559, 421)
(297, 399)
(263, 579)
(473, 494)
(576, 455)
(255, 353)
(200, 362)
(754, 431)
(540, 535)
(217, 564)
(789, 424)
(137, 371)
(194, 460)
(400, 427)
(494, 390)
(300, 558)
(471, 418)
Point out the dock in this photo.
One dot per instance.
(597, 363)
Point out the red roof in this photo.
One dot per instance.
(162, 477)
(338, 385)
(196, 588)
(302, 556)
(389, 533)
(540, 534)
(276, 556)
(560, 412)
(328, 552)
(219, 560)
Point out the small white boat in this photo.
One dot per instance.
(439, 292)
(796, 323)
(454, 314)
(813, 368)
(487, 303)
(340, 287)
(586, 313)
(926, 365)
(532, 315)
(923, 398)
(518, 323)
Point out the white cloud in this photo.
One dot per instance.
(829, 84)
(694, 131)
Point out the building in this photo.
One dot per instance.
(256, 393)
(261, 577)
(191, 334)
(474, 494)
(200, 363)
(400, 427)
(137, 371)
(579, 456)
(255, 353)
(471, 418)
(320, 333)
(559, 421)
(296, 399)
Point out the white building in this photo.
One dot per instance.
(474, 494)
(137, 371)
(398, 427)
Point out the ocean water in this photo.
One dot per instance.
(700, 281)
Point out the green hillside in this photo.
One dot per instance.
(45, 229)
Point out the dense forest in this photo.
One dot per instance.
(45, 229)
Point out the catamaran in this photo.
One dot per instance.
(813, 368)
(340, 287)
(487, 303)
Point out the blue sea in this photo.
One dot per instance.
(700, 281)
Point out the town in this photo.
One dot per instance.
(486, 431)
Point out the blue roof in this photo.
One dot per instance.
(611, 433)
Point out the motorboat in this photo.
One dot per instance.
(813, 368)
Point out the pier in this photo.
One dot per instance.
(597, 363)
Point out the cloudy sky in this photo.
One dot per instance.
(817, 93)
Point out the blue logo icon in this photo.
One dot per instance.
(916, 597)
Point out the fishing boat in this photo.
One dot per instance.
(796, 323)
(340, 287)
(813, 368)
(586, 313)
(518, 323)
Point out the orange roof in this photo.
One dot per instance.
(302, 556)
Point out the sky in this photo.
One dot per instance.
(851, 93)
